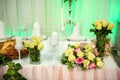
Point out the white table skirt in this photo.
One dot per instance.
(51, 68)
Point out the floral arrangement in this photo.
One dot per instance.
(34, 43)
(82, 55)
(34, 46)
(102, 29)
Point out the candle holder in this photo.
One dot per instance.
(19, 46)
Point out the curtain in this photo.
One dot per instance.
(20, 15)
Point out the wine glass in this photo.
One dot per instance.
(19, 46)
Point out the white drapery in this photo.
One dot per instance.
(20, 15)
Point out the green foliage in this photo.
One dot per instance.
(64, 60)
(4, 60)
(12, 72)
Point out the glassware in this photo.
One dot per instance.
(34, 56)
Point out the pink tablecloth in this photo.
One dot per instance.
(48, 71)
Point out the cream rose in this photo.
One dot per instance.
(98, 27)
(26, 44)
(71, 58)
(86, 63)
(80, 54)
(100, 64)
(110, 26)
(40, 46)
(32, 45)
(104, 23)
(91, 56)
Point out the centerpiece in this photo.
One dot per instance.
(34, 46)
(81, 55)
(101, 30)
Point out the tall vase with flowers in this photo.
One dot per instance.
(34, 46)
(102, 29)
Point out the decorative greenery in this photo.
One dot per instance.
(12, 72)
(102, 29)
(82, 55)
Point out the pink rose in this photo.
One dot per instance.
(77, 50)
(96, 52)
(107, 45)
(79, 60)
(93, 45)
(106, 52)
(82, 45)
(92, 66)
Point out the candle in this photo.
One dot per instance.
(36, 30)
(54, 38)
(19, 44)
(62, 19)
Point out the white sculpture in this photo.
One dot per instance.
(75, 34)
(2, 34)
(36, 29)
(54, 38)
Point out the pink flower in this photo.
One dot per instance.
(106, 49)
(106, 52)
(96, 52)
(79, 60)
(93, 45)
(92, 66)
(107, 45)
(77, 50)
(81, 44)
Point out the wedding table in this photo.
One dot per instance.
(51, 68)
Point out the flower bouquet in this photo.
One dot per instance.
(34, 46)
(81, 55)
(102, 29)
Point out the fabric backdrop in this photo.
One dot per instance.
(20, 15)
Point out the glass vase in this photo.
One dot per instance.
(100, 44)
(34, 56)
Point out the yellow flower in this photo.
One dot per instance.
(80, 54)
(104, 23)
(110, 26)
(100, 64)
(71, 49)
(76, 45)
(35, 42)
(91, 56)
(26, 44)
(96, 23)
(40, 46)
(69, 52)
(86, 63)
(99, 26)
(98, 59)
(71, 58)
(88, 46)
(32, 45)
(34, 38)
(39, 40)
